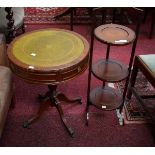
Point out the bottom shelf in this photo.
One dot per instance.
(106, 98)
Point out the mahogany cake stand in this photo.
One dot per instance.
(107, 69)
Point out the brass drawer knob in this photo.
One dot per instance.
(79, 69)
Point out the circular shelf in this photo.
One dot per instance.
(115, 34)
(105, 98)
(110, 70)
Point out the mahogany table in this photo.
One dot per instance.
(49, 57)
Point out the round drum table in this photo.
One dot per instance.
(49, 56)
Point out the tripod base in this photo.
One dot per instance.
(54, 98)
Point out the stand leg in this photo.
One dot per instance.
(42, 108)
(152, 25)
(120, 117)
(87, 113)
(13, 101)
(43, 98)
(132, 81)
(62, 97)
(23, 28)
(59, 109)
(71, 19)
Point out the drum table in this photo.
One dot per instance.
(49, 57)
